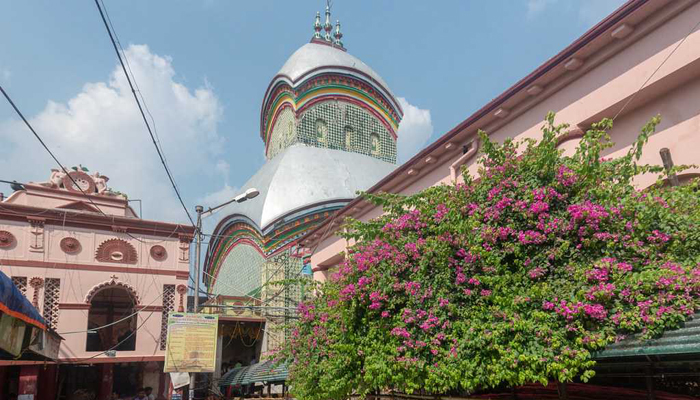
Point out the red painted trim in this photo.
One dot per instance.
(61, 217)
(73, 306)
(21, 317)
(97, 360)
(152, 308)
(92, 267)
(598, 30)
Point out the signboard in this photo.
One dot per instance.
(179, 379)
(11, 334)
(191, 342)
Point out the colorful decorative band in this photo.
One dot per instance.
(268, 246)
(364, 95)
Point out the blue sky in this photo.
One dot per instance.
(203, 67)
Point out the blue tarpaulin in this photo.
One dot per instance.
(14, 304)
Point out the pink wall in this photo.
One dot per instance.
(82, 272)
(609, 77)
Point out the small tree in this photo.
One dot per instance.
(518, 276)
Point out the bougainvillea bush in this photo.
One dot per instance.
(518, 276)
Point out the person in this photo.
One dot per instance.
(141, 395)
(149, 393)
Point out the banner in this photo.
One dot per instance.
(191, 342)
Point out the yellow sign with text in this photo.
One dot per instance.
(191, 342)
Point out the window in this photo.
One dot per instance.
(52, 287)
(21, 283)
(321, 131)
(375, 145)
(349, 138)
(107, 306)
(168, 307)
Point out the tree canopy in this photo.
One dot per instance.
(516, 276)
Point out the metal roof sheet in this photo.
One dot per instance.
(684, 340)
(267, 372)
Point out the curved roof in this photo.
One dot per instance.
(315, 55)
(303, 176)
(322, 58)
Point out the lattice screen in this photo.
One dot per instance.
(21, 283)
(52, 295)
(335, 125)
(168, 307)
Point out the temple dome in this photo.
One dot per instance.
(302, 176)
(314, 58)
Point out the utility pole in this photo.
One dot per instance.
(198, 251)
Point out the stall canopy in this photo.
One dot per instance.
(267, 372)
(14, 304)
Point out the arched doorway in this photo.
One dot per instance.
(111, 320)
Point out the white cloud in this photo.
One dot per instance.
(536, 7)
(213, 199)
(101, 128)
(414, 131)
(223, 168)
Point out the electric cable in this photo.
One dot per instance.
(145, 120)
(656, 70)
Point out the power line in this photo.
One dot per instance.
(143, 114)
(65, 171)
(655, 71)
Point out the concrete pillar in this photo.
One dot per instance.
(48, 382)
(219, 355)
(106, 381)
(163, 385)
(3, 378)
(28, 380)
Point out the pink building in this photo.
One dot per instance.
(103, 278)
(640, 61)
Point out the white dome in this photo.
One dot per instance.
(302, 176)
(313, 56)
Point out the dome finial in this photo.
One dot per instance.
(317, 26)
(328, 26)
(338, 34)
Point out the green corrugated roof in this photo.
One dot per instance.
(684, 340)
(267, 371)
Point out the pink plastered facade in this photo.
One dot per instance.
(643, 60)
(65, 255)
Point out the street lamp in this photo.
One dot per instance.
(248, 194)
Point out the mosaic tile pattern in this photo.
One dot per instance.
(241, 272)
(335, 125)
